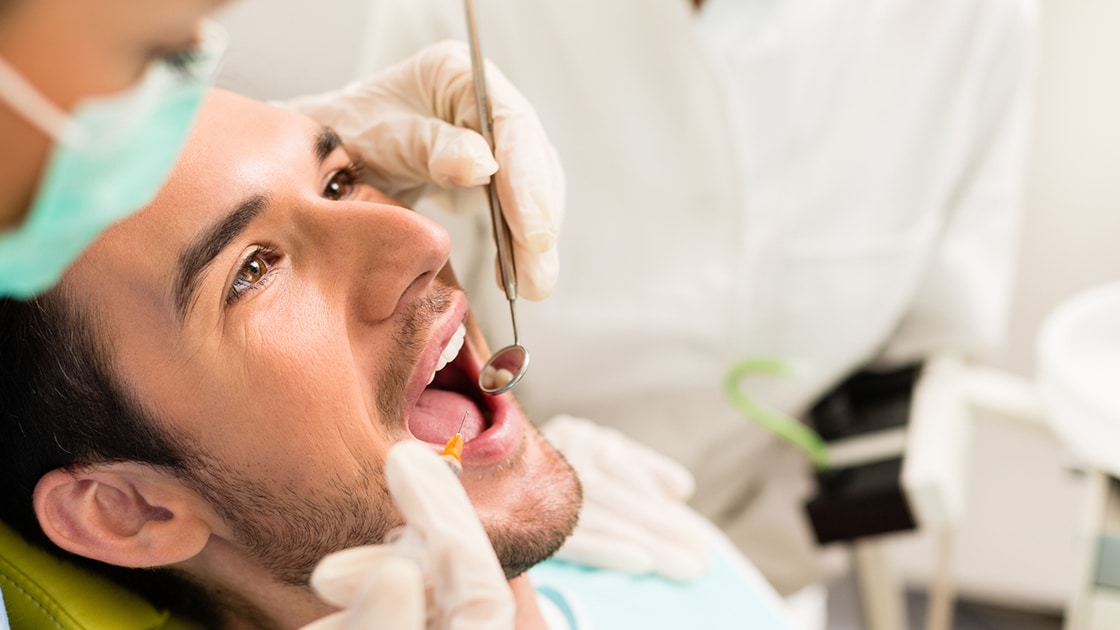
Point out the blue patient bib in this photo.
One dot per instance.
(732, 594)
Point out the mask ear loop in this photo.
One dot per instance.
(18, 92)
(789, 429)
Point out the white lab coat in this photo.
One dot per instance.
(828, 183)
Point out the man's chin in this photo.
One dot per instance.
(534, 529)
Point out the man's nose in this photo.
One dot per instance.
(377, 255)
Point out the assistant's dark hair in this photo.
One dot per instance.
(61, 407)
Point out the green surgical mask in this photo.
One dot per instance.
(111, 156)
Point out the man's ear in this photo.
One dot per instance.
(122, 513)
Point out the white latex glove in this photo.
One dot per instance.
(383, 586)
(414, 124)
(634, 518)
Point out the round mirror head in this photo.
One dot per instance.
(504, 370)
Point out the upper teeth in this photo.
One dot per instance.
(450, 351)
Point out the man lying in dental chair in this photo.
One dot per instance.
(232, 384)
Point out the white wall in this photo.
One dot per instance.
(301, 48)
(1071, 236)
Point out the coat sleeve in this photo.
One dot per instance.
(962, 303)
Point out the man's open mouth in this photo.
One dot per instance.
(451, 399)
(446, 396)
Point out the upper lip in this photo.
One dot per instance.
(441, 333)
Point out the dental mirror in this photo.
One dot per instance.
(506, 367)
(504, 370)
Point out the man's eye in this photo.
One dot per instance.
(253, 270)
(342, 182)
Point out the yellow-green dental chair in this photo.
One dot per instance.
(42, 591)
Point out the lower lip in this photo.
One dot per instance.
(499, 440)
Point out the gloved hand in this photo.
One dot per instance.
(383, 586)
(414, 124)
(634, 518)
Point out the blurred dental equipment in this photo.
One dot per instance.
(506, 366)
(1078, 353)
(1078, 371)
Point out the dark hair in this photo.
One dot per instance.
(61, 407)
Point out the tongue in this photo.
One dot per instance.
(439, 413)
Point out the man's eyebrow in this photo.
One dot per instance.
(201, 252)
(326, 141)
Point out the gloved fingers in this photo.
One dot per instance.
(392, 596)
(582, 441)
(417, 122)
(385, 119)
(379, 588)
(468, 580)
(480, 614)
(531, 187)
(605, 552)
(536, 273)
(592, 453)
(388, 592)
(404, 125)
(632, 499)
(433, 501)
(644, 467)
(670, 558)
(612, 454)
(404, 152)
(393, 145)
(616, 474)
(460, 158)
(530, 180)
(666, 522)
(338, 577)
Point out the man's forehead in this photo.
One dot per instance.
(231, 129)
(237, 147)
(237, 111)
